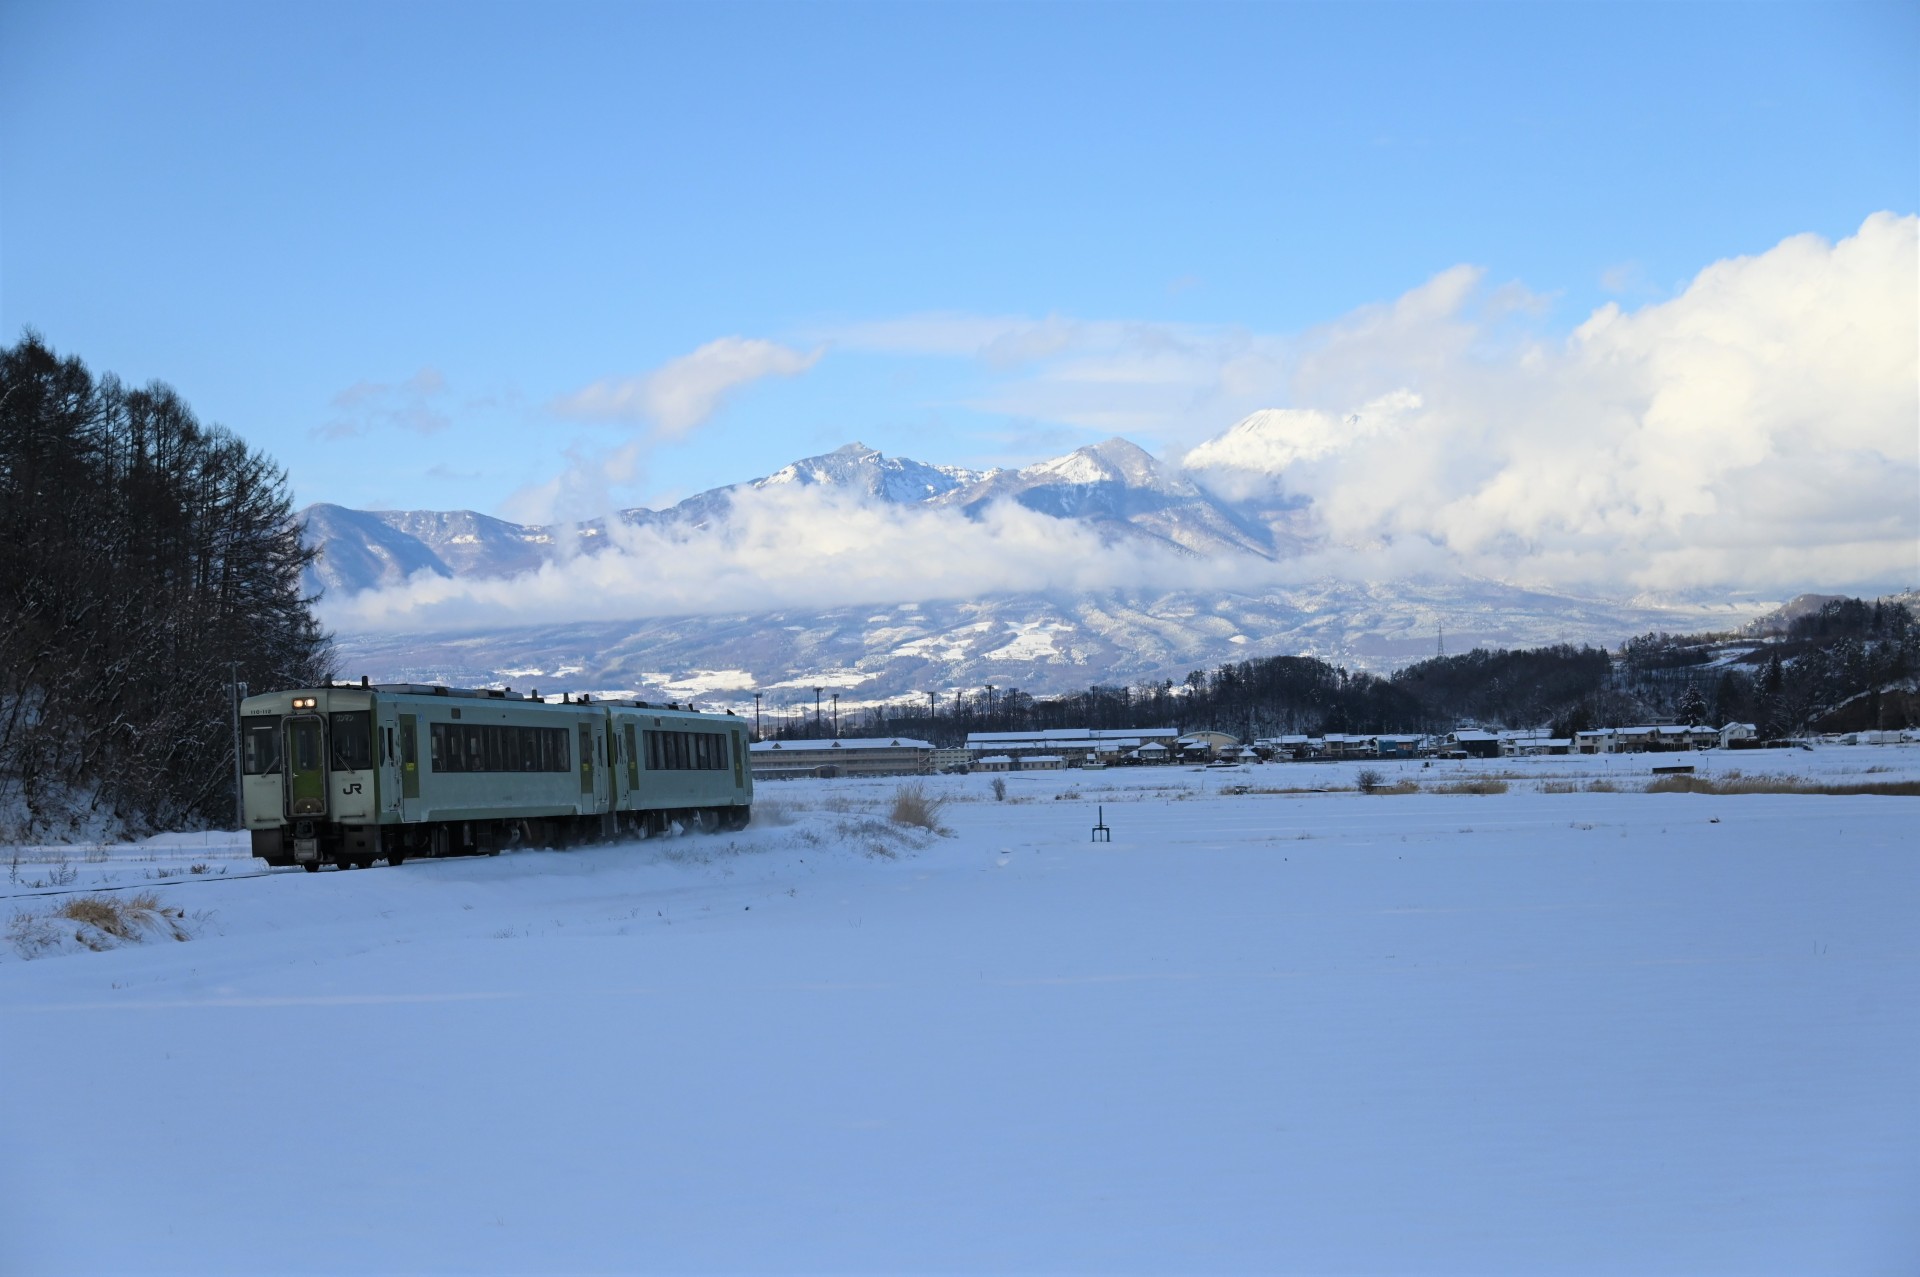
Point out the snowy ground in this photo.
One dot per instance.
(1532, 1032)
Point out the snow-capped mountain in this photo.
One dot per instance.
(360, 549)
(1115, 486)
(365, 549)
(858, 468)
(1047, 642)
(1119, 488)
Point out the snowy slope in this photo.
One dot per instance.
(1040, 643)
(1119, 488)
(1282, 1033)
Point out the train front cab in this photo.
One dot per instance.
(309, 780)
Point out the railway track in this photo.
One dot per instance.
(171, 880)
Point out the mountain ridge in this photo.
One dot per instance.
(1044, 642)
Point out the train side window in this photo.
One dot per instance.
(260, 745)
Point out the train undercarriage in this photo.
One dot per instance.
(313, 844)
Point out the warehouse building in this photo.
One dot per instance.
(1077, 745)
(847, 756)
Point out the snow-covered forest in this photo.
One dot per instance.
(147, 557)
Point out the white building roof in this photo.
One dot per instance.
(1067, 735)
(845, 742)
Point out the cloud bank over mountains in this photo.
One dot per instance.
(1759, 432)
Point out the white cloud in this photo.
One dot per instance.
(789, 545)
(683, 393)
(370, 407)
(1759, 430)
(667, 403)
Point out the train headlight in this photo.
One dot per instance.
(303, 702)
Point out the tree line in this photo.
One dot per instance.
(1850, 665)
(146, 558)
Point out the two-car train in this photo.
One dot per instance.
(349, 774)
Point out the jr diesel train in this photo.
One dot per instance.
(346, 775)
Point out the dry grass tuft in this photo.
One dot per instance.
(102, 912)
(913, 805)
(96, 922)
(1481, 785)
(104, 918)
(1734, 783)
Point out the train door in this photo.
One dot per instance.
(597, 782)
(410, 767)
(306, 770)
(632, 744)
(585, 731)
(386, 758)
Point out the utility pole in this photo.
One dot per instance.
(1440, 630)
(239, 774)
(816, 709)
(756, 716)
(836, 716)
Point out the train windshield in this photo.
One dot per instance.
(260, 745)
(351, 735)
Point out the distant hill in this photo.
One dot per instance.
(1040, 642)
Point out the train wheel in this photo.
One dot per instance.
(311, 866)
(395, 860)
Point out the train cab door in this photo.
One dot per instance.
(410, 805)
(306, 765)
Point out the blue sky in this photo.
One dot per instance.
(392, 245)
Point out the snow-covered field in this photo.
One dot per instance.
(1528, 1032)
